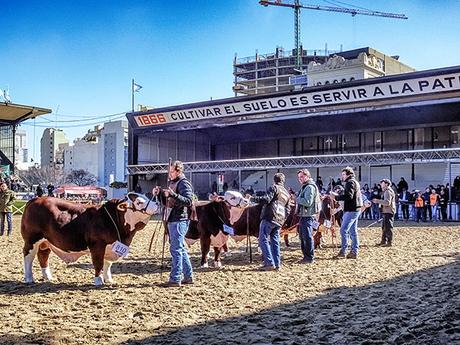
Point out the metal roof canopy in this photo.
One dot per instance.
(13, 114)
(295, 162)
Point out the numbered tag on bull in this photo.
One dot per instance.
(315, 224)
(229, 230)
(120, 249)
(328, 224)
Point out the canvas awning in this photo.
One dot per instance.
(11, 114)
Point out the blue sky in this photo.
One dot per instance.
(78, 57)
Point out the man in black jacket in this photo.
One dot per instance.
(353, 201)
(177, 198)
(272, 218)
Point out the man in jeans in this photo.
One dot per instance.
(177, 198)
(273, 217)
(7, 198)
(308, 203)
(388, 212)
(353, 201)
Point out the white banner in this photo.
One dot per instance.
(378, 91)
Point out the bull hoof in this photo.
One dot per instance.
(98, 281)
(205, 265)
(217, 264)
(46, 272)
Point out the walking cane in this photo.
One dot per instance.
(377, 221)
(165, 224)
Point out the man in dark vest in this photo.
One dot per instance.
(177, 198)
(272, 218)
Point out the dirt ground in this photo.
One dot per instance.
(406, 294)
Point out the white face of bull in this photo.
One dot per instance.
(140, 210)
(236, 199)
(237, 205)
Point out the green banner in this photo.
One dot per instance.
(4, 170)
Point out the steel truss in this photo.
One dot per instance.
(320, 161)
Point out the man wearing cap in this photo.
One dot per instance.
(388, 212)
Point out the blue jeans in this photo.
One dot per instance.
(306, 238)
(350, 228)
(9, 220)
(269, 242)
(180, 259)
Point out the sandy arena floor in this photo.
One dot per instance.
(406, 294)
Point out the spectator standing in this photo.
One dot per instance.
(353, 202)
(319, 183)
(50, 189)
(7, 198)
(308, 203)
(419, 205)
(404, 199)
(272, 218)
(427, 208)
(375, 207)
(388, 212)
(402, 184)
(443, 200)
(434, 205)
(39, 191)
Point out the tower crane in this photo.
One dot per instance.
(297, 6)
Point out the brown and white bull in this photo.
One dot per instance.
(233, 211)
(71, 230)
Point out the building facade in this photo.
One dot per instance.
(352, 65)
(49, 147)
(113, 152)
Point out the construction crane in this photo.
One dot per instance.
(297, 6)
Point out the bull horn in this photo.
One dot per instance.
(122, 207)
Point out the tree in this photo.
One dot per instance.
(81, 177)
(43, 175)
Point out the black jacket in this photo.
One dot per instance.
(278, 207)
(179, 200)
(351, 195)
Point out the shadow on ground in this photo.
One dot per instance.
(420, 308)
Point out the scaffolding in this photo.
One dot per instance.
(314, 161)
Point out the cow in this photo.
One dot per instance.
(327, 219)
(71, 230)
(232, 210)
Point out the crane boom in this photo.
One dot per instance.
(297, 6)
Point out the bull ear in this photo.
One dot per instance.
(132, 196)
(122, 206)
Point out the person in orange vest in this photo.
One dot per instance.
(419, 205)
(434, 204)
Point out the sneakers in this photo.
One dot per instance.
(381, 244)
(341, 255)
(386, 244)
(352, 255)
(187, 281)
